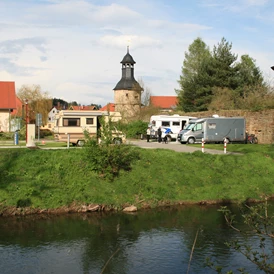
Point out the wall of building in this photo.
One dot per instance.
(4, 120)
(260, 123)
(127, 102)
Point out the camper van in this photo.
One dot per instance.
(172, 123)
(214, 130)
(70, 125)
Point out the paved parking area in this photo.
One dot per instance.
(176, 146)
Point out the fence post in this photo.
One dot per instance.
(225, 145)
(203, 145)
(68, 140)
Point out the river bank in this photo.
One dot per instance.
(60, 181)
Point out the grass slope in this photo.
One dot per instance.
(49, 179)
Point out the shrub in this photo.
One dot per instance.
(6, 135)
(134, 129)
(108, 160)
(105, 158)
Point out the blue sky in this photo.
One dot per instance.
(73, 48)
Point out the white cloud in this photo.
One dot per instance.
(73, 48)
(122, 40)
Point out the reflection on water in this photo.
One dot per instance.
(155, 241)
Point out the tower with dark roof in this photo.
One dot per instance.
(127, 92)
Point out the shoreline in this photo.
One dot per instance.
(96, 208)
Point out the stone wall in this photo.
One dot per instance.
(127, 102)
(260, 123)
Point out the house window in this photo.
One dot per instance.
(89, 121)
(71, 122)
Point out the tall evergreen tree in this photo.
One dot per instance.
(190, 83)
(222, 68)
(249, 76)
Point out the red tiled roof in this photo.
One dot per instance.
(18, 106)
(82, 107)
(7, 95)
(166, 102)
(109, 107)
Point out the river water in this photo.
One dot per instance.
(154, 241)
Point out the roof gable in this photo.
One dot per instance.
(18, 110)
(166, 102)
(7, 95)
(109, 107)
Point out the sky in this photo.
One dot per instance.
(73, 48)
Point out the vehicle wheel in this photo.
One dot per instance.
(80, 143)
(117, 141)
(191, 140)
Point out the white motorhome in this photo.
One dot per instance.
(214, 130)
(173, 123)
(71, 125)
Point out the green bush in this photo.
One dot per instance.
(6, 135)
(107, 160)
(134, 129)
(45, 133)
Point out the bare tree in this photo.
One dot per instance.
(38, 101)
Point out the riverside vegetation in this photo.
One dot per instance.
(63, 180)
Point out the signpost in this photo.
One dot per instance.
(38, 123)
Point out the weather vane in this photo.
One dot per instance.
(128, 43)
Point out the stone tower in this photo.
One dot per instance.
(127, 93)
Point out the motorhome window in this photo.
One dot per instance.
(190, 126)
(71, 122)
(165, 123)
(211, 125)
(176, 123)
(89, 121)
(198, 126)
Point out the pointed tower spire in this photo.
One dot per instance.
(127, 81)
(127, 92)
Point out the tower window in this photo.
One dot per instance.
(126, 94)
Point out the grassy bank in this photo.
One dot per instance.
(50, 179)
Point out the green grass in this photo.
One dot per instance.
(48, 179)
(242, 148)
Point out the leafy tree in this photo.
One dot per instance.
(73, 103)
(192, 84)
(248, 76)
(208, 78)
(60, 103)
(260, 225)
(38, 101)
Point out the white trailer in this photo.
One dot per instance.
(175, 123)
(70, 125)
(214, 130)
